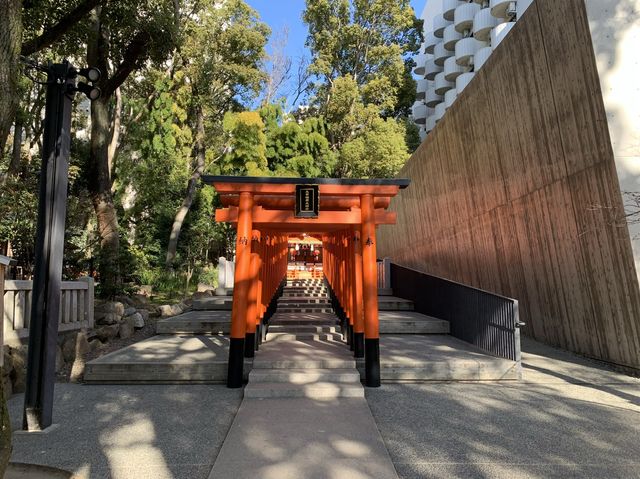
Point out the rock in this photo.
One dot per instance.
(145, 290)
(95, 344)
(125, 300)
(19, 369)
(81, 349)
(59, 359)
(127, 327)
(105, 333)
(203, 288)
(138, 321)
(165, 311)
(201, 295)
(145, 314)
(69, 348)
(177, 309)
(129, 311)
(141, 301)
(7, 387)
(109, 318)
(221, 291)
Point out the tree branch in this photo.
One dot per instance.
(132, 55)
(67, 22)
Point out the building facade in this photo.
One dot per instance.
(460, 35)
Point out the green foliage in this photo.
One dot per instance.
(246, 153)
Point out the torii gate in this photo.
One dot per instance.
(344, 212)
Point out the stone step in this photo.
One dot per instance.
(392, 303)
(302, 300)
(196, 322)
(303, 336)
(411, 322)
(304, 295)
(318, 390)
(304, 319)
(306, 328)
(304, 376)
(324, 363)
(309, 309)
(213, 303)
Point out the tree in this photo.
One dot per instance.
(125, 35)
(221, 55)
(246, 155)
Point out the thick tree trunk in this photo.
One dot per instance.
(199, 153)
(10, 44)
(16, 154)
(115, 131)
(100, 191)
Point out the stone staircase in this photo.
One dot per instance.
(305, 355)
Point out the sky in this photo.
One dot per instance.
(288, 13)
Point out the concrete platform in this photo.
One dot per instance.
(304, 355)
(417, 358)
(303, 438)
(196, 322)
(165, 360)
(213, 303)
(410, 322)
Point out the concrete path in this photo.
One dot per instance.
(570, 418)
(304, 438)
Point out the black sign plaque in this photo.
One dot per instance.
(307, 201)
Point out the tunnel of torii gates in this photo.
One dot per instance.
(343, 214)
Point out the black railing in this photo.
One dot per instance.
(486, 320)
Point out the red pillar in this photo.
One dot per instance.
(370, 293)
(240, 291)
(358, 307)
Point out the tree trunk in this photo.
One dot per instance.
(100, 190)
(199, 153)
(115, 131)
(10, 44)
(16, 154)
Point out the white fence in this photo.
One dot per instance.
(76, 307)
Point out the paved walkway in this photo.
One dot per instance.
(569, 418)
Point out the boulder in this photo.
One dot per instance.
(125, 300)
(138, 321)
(18, 369)
(203, 288)
(201, 295)
(127, 327)
(165, 311)
(105, 333)
(141, 301)
(145, 290)
(81, 349)
(95, 344)
(108, 318)
(109, 312)
(129, 311)
(69, 348)
(145, 314)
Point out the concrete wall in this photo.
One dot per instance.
(615, 32)
(515, 191)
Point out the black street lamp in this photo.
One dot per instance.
(52, 209)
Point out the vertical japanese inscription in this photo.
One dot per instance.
(307, 201)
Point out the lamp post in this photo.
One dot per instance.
(52, 207)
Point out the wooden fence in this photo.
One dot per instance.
(76, 307)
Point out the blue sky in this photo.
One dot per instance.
(280, 13)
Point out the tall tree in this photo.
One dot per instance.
(125, 35)
(221, 56)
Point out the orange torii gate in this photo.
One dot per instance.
(344, 213)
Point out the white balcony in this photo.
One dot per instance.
(452, 70)
(430, 41)
(449, 8)
(483, 23)
(463, 80)
(440, 54)
(420, 61)
(421, 88)
(439, 24)
(432, 99)
(481, 57)
(419, 113)
(522, 7)
(430, 123)
(466, 49)
(464, 15)
(451, 37)
(450, 97)
(500, 32)
(432, 69)
(442, 84)
(441, 109)
(502, 8)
